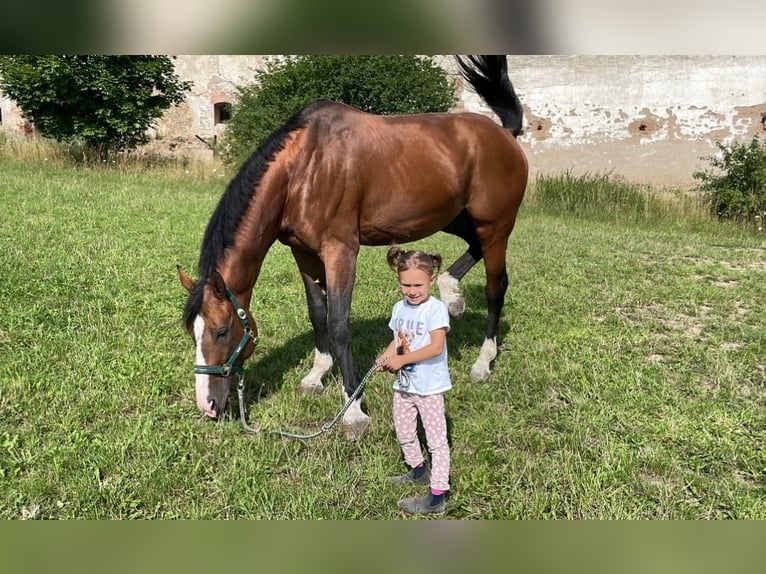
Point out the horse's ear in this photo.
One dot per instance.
(185, 280)
(218, 285)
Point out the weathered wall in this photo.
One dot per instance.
(214, 80)
(11, 121)
(649, 119)
(645, 118)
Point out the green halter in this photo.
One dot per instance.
(229, 368)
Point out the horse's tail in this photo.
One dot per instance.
(488, 75)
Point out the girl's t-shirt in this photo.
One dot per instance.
(412, 326)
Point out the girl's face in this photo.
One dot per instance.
(415, 285)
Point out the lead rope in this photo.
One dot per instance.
(302, 437)
(241, 395)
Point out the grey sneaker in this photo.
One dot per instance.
(421, 505)
(409, 478)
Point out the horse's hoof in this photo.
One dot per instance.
(311, 388)
(479, 372)
(355, 428)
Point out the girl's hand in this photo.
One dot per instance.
(380, 364)
(396, 362)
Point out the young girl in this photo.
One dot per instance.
(418, 356)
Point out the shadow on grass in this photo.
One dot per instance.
(265, 373)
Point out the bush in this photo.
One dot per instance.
(736, 186)
(106, 102)
(376, 84)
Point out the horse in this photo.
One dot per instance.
(333, 178)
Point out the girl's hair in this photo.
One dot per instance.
(400, 260)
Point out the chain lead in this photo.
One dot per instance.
(241, 395)
(302, 437)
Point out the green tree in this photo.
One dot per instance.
(376, 84)
(105, 102)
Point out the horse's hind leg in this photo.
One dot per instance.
(449, 291)
(312, 273)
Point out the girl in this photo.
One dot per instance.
(418, 356)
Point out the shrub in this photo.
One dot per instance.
(735, 187)
(376, 84)
(105, 102)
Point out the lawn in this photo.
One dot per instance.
(630, 384)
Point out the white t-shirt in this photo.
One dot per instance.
(413, 325)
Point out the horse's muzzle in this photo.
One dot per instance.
(208, 401)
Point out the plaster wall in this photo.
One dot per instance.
(649, 119)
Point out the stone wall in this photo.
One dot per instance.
(191, 127)
(649, 119)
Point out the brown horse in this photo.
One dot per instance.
(333, 178)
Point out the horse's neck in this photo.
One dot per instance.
(258, 232)
(240, 278)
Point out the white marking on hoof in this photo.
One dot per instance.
(355, 421)
(449, 292)
(311, 384)
(488, 352)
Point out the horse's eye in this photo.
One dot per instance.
(221, 333)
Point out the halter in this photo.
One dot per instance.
(229, 368)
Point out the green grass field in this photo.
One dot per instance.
(631, 381)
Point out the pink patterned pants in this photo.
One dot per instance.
(431, 409)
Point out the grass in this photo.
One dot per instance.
(602, 196)
(630, 384)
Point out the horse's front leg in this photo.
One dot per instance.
(312, 273)
(497, 285)
(341, 270)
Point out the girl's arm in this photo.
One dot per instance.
(395, 362)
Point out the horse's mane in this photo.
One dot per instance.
(223, 224)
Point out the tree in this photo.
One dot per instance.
(105, 102)
(376, 84)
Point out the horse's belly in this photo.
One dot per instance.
(403, 230)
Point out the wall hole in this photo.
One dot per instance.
(222, 112)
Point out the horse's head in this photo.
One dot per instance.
(224, 335)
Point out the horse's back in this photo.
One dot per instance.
(404, 177)
(439, 142)
(326, 116)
